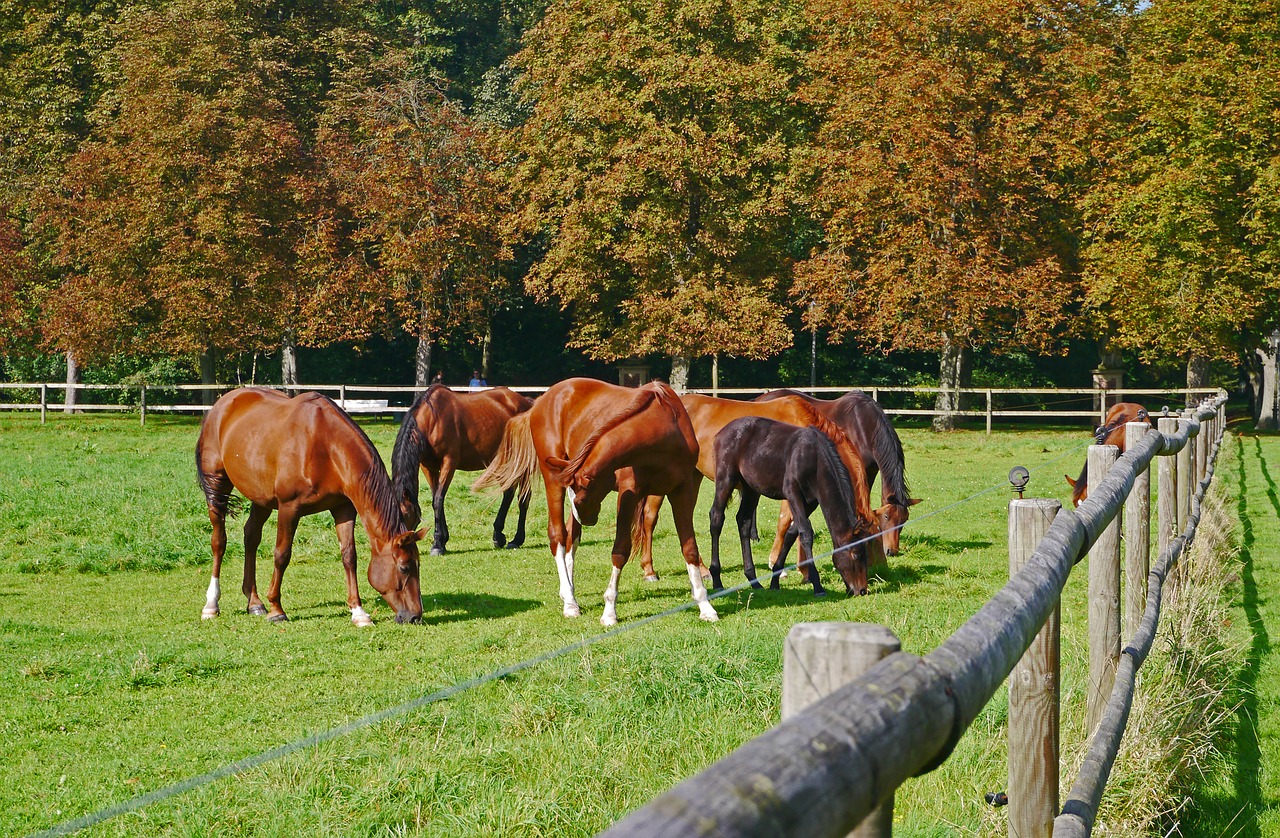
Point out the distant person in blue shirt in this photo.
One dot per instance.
(476, 380)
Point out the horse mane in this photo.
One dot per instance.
(407, 454)
(888, 447)
(642, 400)
(374, 480)
(838, 438)
(844, 482)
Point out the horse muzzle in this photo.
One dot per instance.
(408, 617)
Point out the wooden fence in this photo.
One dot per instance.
(835, 764)
(996, 403)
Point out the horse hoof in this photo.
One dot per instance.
(820, 593)
(257, 610)
(437, 551)
(209, 612)
(572, 611)
(653, 578)
(499, 541)
(608, 622)
(512, 545)
(361, 622)
(278, 618)
(755, 583)
(709, 614)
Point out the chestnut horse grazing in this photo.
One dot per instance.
(445, 432)
(590, 438)
(1110, 432)
(710, 415)
(800, 465)
(877, 443)
(301, 456)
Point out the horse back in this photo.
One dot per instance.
(277, 449)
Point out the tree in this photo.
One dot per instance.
(419, 181)
(186, 220)
(943, 171)
(653, 167)
(1181, 255)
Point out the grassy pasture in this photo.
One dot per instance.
(115, 687)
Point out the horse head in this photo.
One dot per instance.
(891, 518)
(393, 572)
(585, 491)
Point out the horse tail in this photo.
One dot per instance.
(217, 490)
(637, 524)
(514, 463)
(642, 400)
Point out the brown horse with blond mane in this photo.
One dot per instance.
(710, 415)
(301, 456)
(445, 432)
(590, 438)
(1110, 432)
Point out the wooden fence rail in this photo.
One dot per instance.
(145, 398)
(821, 772)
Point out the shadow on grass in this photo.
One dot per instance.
(1238, 814)
(946, 545)
(437, 608)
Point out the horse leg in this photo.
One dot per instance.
(747, 505)
(778, 552)
(286, 528)
(344, 521)
(725, 482)
(561, 547)
(500, 520)
(683, 501)
(218, 543)
(806, 543)
(439, 488)
(523, 510)
(652, 507)
(627, 504)
(258, 516)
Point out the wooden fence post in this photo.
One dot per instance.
(1034, 693)
(818, 659)
(1184, 479)
(988, 413)
(1137, 536)
(44, 402)
(1104, 596)
(142, 406)
(1167, 491)
(1201, 453)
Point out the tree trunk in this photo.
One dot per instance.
(1197, 374)
(208, 374)
(1253, 378)
(953, 373)
(486, 352)
(73, 378)
(1269, 416)
(680, 372)
(288, 361)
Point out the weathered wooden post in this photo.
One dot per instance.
(142, 405)
(1167, 490)
(1201, 453)
(1185, 480)
(988, 413)
(1104, 596)
(44, 402)
(1033, 692)
(1137, 536)
(818, 659)
(342, 396)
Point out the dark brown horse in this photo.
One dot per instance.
(446, 432)
(1110, 432)
(800, 465)
(710, 415)
(590, 438)
(301, 456)
(866, 424)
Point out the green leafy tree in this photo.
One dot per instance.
(952, 135)
(653, 168)
(1181, 257)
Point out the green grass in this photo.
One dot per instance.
(115, 687)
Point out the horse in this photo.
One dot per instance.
(301, 456)
(445, 432)
(588, 439)
(1110, 432)
(710, 415)
(866, 424)
(759, 456)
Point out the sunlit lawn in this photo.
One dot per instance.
(115, 687)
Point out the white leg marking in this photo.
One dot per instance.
(610, 615)
(705, 611)
(564, 566)
(360, 617)
(211, 599)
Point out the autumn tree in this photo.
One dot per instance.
(1181, 259)
(653, 168)
(951, 135)
(418, 180)
(187, 219)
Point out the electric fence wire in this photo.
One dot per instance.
(241, 765)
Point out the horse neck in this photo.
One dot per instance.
(407, 455)
(368, 487)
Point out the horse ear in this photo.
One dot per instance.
(1072, 482)
(410, 512)
(914, 501)
(557, 466)
(404, 539)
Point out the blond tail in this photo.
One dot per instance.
(515, 463)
